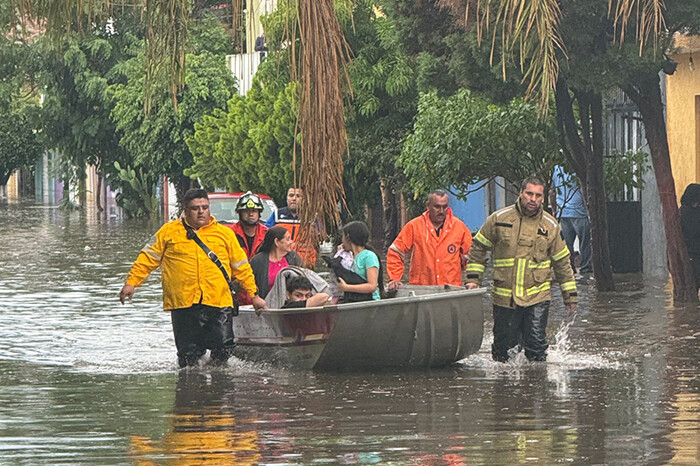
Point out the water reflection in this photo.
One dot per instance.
(86, 380)
(202, 427)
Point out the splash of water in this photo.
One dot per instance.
(562, 354)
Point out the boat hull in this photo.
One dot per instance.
(428, 327)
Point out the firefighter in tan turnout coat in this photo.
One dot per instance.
(526, 243)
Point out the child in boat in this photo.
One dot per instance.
(365, 263)
(300, 294)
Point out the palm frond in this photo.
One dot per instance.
(528, 29)
(648, 17)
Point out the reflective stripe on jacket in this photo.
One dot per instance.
(189, 276)
(524, 251)
(435, 260)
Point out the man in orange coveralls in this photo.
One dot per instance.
(439, 243)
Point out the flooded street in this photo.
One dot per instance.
(85, 380)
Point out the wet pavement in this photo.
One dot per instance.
(85, 380)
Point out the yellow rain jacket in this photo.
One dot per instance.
(189, 276)
(524, 251)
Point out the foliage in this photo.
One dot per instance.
(383, 107)
(445, 56)
(157, 142)
(19, 145)
(625, 170)
(461, 140)
(76, 108)
(249, 147)
(138, 195)
(207, 34)
(94, 107)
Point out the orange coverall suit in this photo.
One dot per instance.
(436, 260)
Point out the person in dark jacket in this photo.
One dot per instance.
(690, 224)
(260, 43)
(274, 254)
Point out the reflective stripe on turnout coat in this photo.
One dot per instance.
(525, 250)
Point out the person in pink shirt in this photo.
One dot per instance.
(274, 254)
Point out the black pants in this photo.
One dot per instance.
(199, 328)
(695, 266)
(523, 325)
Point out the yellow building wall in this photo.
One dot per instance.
(12, 191)
(683, 118)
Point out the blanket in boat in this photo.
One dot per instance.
(278, 293)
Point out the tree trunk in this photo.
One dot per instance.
(98, 196)
(182, 184)
(5, 177)
(597, 200)
(82, 189)
(391, 215)
(647, 96)
(585, 154)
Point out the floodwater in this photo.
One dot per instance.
(85, 380)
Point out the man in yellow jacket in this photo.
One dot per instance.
(194, 288)
(526, 243)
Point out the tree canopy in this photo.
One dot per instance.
(463, 139)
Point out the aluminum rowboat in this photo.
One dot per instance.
(424, 326)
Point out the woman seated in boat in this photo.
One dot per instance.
(365, 263)
(274, 254)
(300, 294)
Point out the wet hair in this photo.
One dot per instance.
(532, 179)
(358, 233)
(270, 236)
(194, 193)
(299, 282)
(436, 192)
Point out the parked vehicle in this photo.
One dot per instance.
(223, 206)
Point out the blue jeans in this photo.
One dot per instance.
(571, 227)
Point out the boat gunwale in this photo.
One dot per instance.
(439, 296)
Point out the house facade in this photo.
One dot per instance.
(683, 112)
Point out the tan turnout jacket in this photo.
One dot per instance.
(524, 251)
